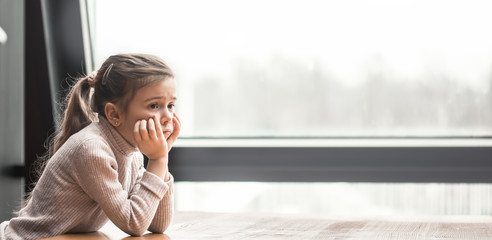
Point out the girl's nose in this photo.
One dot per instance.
(166, 116)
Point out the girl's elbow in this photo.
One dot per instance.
(160, 224)
(158, 229)
(135, 232)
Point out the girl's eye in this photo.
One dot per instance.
(171, 106)
(154, 106)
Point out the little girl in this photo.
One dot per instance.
(95, 172)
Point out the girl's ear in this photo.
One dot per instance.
(112, 114)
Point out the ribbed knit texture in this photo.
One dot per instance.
(95, 176)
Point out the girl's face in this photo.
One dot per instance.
(156, 99)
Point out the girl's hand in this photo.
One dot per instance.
(150, 138)
(174, 136)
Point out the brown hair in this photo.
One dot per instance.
(119, 77)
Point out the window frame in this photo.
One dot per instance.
(334, 160)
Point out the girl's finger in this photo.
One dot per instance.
(174, 136)
(176, 116)
(136, 132)
(177, 126)
(158, 128)
(151, 127)
(143, 130)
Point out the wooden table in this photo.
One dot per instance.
(230, 226)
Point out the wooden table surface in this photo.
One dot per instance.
(230, 226)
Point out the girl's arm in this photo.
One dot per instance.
(97, 174)
(165, 211)
(150, 138)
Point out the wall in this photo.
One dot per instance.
(11, 105)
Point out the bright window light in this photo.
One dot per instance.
(314, 68)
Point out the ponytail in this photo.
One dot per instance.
(77, 115)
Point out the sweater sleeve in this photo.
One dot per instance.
(164, 214)
(97, 174)
(165, 211)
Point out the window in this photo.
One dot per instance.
(326, 74)
(314, 68)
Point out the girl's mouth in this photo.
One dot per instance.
(167, 132)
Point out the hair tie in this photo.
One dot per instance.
(91, 79)
(106, 74)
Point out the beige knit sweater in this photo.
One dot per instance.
(95, 176)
